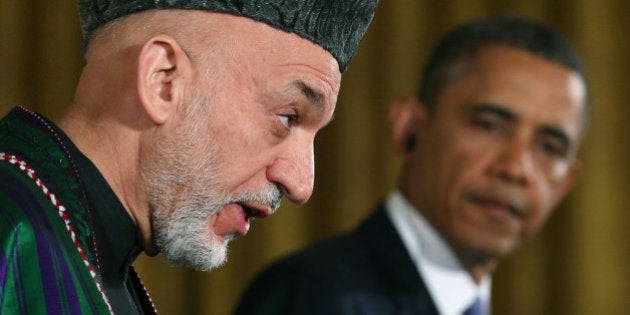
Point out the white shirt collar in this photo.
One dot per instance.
(451, 287)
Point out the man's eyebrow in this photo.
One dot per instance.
(506, 114)
(314, 96)
(489, 108)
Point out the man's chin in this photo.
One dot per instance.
(205, 264)
(203, 260)
(204, 267)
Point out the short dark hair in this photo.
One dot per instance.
(461, 44)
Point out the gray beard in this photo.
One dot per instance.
(185, 237)
(181, 177)
(184, 190)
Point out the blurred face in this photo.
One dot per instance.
(497, 153)
(244, 140)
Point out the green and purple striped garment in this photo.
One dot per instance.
(41, 269)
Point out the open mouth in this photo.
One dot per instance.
(249, 212)
(255, 211)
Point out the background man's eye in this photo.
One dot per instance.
(487, 124)
(554, 148)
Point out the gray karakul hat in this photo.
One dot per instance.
(336, 25)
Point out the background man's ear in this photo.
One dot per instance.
(404, 116)
(161, 63)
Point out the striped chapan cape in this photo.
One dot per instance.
(46, 254)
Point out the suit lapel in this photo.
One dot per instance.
(397, 272)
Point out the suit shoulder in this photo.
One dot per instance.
(351, 254)
(307, 282)
(328, 256)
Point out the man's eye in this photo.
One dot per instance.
(554, 148)
(490, 124)
(286, 119)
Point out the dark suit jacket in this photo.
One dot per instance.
(366, 271)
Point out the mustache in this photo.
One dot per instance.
(270, 197)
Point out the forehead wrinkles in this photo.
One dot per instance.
(245, 49)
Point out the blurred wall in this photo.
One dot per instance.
(578, 265)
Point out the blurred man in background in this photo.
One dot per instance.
(489, 148)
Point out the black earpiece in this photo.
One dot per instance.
(410, 143)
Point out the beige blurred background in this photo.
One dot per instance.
(580, 264)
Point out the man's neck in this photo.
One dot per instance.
(115, 153)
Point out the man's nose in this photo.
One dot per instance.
(294, 172)
(514, 162)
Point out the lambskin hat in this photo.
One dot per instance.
(336, 25)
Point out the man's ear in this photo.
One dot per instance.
(405, 115)
(162, 64)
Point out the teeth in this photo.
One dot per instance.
(249, 213)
